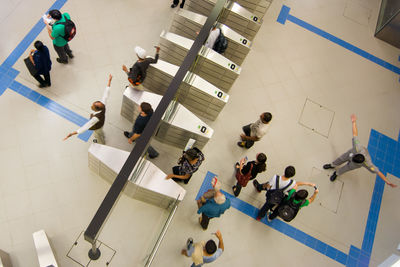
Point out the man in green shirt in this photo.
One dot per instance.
(57, 32)
(298, 199)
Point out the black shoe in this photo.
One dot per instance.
(181, 5)
(70, 55)
(257, 185)
(241, 144)
(61, 61)
(42, 85)
(328, 166)
(95, 141)
(153, 156)
(173, 5)
(126, 134)
(333, 177)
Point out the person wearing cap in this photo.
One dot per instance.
(137, 73)
(356, 157)
(254, 131)
(216, 186)
(204, 252)
(189, 163)
(213, 208)
(97, 118)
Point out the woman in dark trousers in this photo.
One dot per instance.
(247, 172)
(189, 163)
(40, 58)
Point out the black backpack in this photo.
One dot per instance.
(70, 29)
(221, 44)
(275, 196)
(289, 209)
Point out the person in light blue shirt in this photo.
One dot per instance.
(203, 252)
(213, 208)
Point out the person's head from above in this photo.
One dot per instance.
(210, 247)
(140, 52)
(290, 171)
(219, 197)
(191, 154)
(358, 158)
(38, 45)
(301, 195)
(97, 106)
(261, 158)
(145, 108)
(266, 117)
(55, 14)
(215, 183)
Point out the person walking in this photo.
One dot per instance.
(176, 2)
(356, 157)
(255, 131)
(189, 163)
(213, 208)
(40, 58)
(276, 187)
(204, 252)
(294, 201)
(137, 74)
(145, 113)
(97, 118)
(216, 186)
(57, 33)
(245, 173)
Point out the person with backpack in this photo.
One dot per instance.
(188, 164)
(216, 41)
(245, 173)
(61, 32)
(40, 58)
(137, 73)
(276, 188)
(294, 201)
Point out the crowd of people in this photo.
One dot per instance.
(283, 197)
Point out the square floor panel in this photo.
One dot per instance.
(357, 13)
(79, 253)
(329, 193)
(316, 117)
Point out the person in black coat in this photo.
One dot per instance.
(40, 58)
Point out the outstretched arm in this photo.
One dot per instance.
(383, 177)
(311, 199)
(353, 121)
(221, 241)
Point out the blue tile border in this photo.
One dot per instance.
(8, 75)
(284, 15)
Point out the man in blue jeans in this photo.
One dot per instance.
(204, 252)
(141, 121)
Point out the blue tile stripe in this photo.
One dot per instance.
(284, 14)
(278, 225)
(29, 38)
(52, 106)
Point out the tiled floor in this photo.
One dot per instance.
(45, 183)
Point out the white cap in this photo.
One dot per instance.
(140, 52)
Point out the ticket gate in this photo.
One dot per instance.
(196, 94)
(210, 65)
(147, 182)
(186, 23)
(177, 125)
(233, 16)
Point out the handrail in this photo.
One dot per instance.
(162, 234)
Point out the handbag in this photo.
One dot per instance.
(31, 68)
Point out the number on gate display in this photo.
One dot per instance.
(244, 41)
(203, 129)
(219, 94)
(255, 18)
(233, 66)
